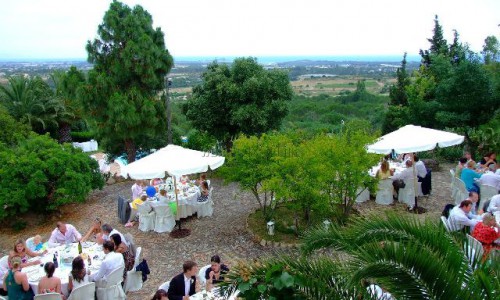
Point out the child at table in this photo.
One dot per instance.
(37, 241)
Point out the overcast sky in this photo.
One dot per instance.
(215, 28)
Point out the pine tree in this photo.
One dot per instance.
(439, 45)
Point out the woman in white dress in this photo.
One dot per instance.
(78, 275)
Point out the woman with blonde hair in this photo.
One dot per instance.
(16, 282)
(384, 172)
(485, 233)
(24, 253)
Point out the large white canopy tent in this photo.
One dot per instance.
(411, 138)
(172, 160)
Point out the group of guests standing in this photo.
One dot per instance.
(184, 285)
(115, 248)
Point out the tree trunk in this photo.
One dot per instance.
(228, 144)
(130, 149)
(64, 133)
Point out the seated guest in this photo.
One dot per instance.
(163, 197)
(485, 233)
(64, 233)
(458, 216)
(108, 231)
(94, 231)
(216, 272)
(21, 251)
(406, 175)
(421, 170)
(121, 247)
(490, 178)
(203, 177)
(474, 212)
(78, 275)
(134, 218)
(35, 244)
(16, 282)
(183, 285)
(494, 204)
(468, 175)
(50, 283)
(160, 295)
(461, 165)
(468, 156)
(384, 172)
(155, 181)
(111, 261)
(488, 158)
(184, 179)
(204, 192)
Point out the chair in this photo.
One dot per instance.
(486, 192)
(407, 194)
(452, 184)
(48, 296)
(123, 210)
(164, 221)
(164, 286)
(110, 288)
(201, 275)
(363, 195)
(474, 250)
(129, 241)
(462, 192)
(205, 208)
(133, 282)
(445, 223)
(486, 205)
(146, 217)
(30, 244)
(384, 192)
(83, 292)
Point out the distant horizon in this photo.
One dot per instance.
(261, 59)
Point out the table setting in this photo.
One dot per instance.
(64, 255)
(396, 166)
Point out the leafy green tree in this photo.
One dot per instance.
(67, 85)
(491, 50)
(439, 45)
(32, 102)
(241, 98)
(39, 175)
(397, 92)
(121, 97)
(405, 256)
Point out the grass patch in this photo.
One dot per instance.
(284, 227)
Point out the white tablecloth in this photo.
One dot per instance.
(398, 168)
(187, 200)
(35, 273)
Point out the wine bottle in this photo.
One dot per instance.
(89, 261)
(79, 248)
(56, 263)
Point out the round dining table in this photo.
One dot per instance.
(65, 254)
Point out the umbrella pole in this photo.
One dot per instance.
(178, 233)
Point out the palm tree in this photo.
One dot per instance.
(407, 257)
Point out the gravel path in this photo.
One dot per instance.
(222, 234)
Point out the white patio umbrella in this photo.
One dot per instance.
(172, 160)
(411, 138)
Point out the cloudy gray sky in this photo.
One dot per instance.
(60, 28)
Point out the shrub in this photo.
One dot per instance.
(40, 175)
(82, 136)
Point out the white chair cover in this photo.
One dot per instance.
(452, 185)
(445, 223)
(384, 192)
(474, 249)
(201, 275)
(453, 225)
(363, 195)
(407, 194)
(206, 208)
(461, 193)
(49, 296)
(164, 286)
(110, 288)
(134, 279)
(146, 217)
(486, 192)
(164, 221)
(30, 244)
(83, 292)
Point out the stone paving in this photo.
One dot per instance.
(222, 234)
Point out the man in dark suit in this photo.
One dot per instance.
(183, 285)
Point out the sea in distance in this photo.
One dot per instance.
(260, 59)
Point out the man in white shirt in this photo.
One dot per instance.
(108, 231)
(494, 204)
(64, 233)
(420, 166)
(458, 216)
(490, 178)
(111, 261)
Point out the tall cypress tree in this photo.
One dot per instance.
(439, 45)
(397, 93)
